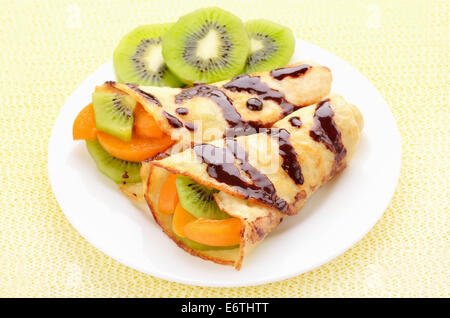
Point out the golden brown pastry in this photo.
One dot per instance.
(239, 106)
(264, 177)
(234, 107)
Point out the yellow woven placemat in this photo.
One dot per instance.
(49, 47)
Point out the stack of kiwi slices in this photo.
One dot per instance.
(112, 115)
(204, 46)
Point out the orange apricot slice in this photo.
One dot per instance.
(214, 232)
(145, 125)
(168, 197)
(137, 149)
(84, 125)
(180, 218)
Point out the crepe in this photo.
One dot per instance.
(266, 176)
(235, 106)
(239, 106)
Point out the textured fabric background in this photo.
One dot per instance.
(49, 47)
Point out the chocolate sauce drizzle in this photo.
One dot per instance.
(173, 121)
(158, 156)
(220, 166)
(295, 71)
(149, 97)
(238, 126)
(254, 104)
(287, 152)
(295, 121)
(190, 126)
(182, 111)
(254, 85)
(326, 132)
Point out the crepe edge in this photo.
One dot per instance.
(253, 231)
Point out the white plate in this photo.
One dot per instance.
(334, 218)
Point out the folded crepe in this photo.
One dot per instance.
(264, 177)
(235, 107)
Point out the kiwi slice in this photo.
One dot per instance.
(120, 171)
(202, 247)
(206, 45)
(198, 200)
(138, 58)
(271, 45)
(114, 114)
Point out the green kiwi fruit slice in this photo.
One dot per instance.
(202, 247)
(120, 171)
(138, 59)
(198, 200)
(114, 114)
(206, 45)
(271, 45)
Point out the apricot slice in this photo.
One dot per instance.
(84, 125)
(180, 218)
(145, 125)
(214, 232)
(137, 149)
(168, 197)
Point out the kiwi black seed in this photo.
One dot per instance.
(198, 199)
(206, 45)
(120, 171)
(114, 114)
(271, 45)
(138, 58)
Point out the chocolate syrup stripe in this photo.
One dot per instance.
(287, 152)
(220, 166)
(149, 97)
(238, 126)
(326, 132)
(294, 71)
(295, 122)
(254, 85)
(172, 120)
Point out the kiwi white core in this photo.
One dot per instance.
(154, 58)
(208, 46)
(255, 45)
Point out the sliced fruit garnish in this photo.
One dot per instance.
(198, 199)
(214, 232)
(145, 125)
(138, 58)
(206, 45)
(137, 149)
(168, 197)
(180, 218)
(84, 125)
(118, 170)
(271, 45)
(114, 114)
